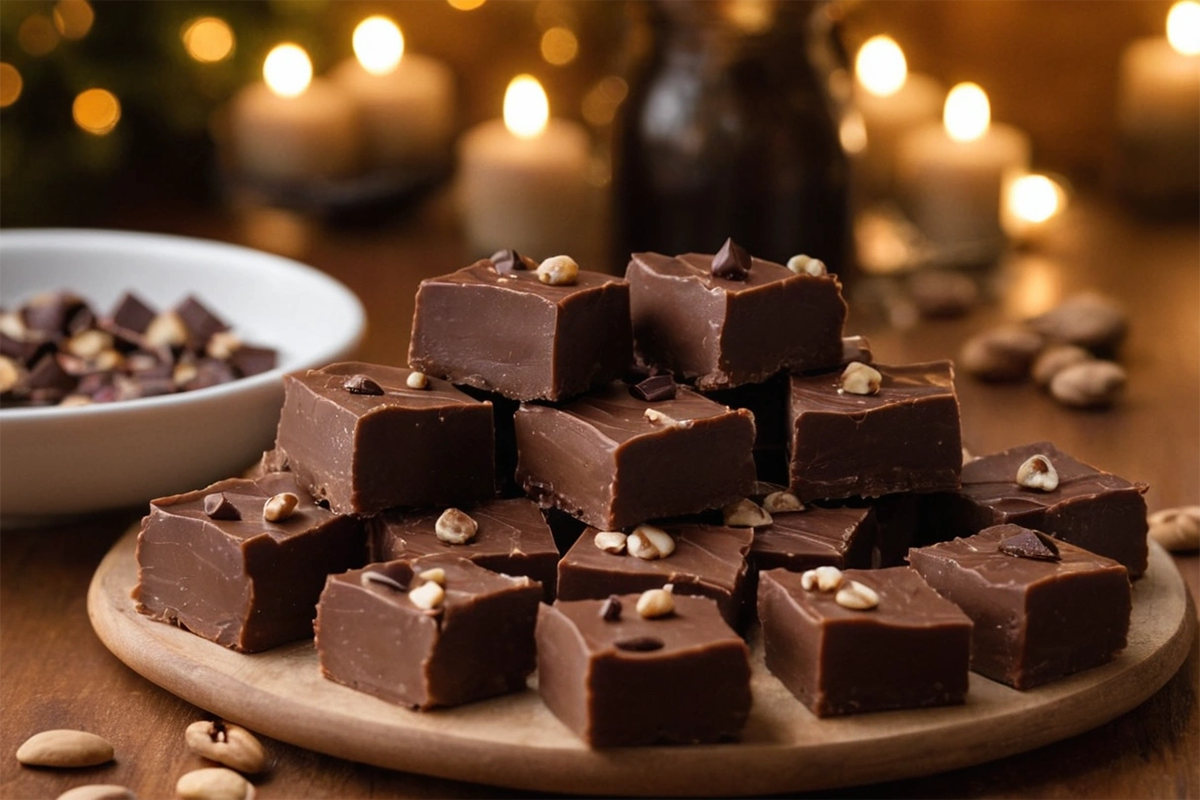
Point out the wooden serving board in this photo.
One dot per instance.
(515, 741)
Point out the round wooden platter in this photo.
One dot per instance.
(514, 741)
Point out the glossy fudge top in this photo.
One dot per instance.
(246, 498)
(992, 480)
(902, 384)
(695, 625)
(329, 382)
(465, 581)
(980, 556)
(697, 268)
(905, 600)
(506, 527)
(524, 281)
(618, 416)
(815, 531)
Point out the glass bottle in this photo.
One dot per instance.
(729, 130)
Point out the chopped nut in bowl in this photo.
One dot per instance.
(85, 454)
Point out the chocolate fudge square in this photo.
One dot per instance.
(721, 333)
(683, 678)
(512, 334)
(910, 651)
(905, 438)
(233, 577)
(602, 459)
(1035, 619)
(708, 561)
(512, 538)
(1090, 508)
(815, 537)
(376, 631)
(361, 439)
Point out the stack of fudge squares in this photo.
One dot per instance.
(612, 481)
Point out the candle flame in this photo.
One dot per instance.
(1035, 198)
(526, 107)
(1183, 27)
(967, 113)
(287, 70)
(378, 45)
(880, 66)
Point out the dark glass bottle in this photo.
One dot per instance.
(729, 130)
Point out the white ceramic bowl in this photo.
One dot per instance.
(75, 460)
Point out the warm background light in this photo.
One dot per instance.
(73, 18)
(1035, 198)
(378, 45)
(10, 85)
(852, 132)
(208, 39)
(526, 107)
(287, 70)
(466, 5)
(967, 113)
(559, 46)
(880, 66)
(96, 111)
(600, 103)
(1183, 27)
(37, 35)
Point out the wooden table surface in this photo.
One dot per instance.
(55, 673)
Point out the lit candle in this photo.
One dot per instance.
(892, 102)
(951, 177)
(292, 127)
(522, 179)
(1158, 108)
(406, 100)
(1031, 204)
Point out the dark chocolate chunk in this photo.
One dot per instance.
(653, 389)
(361, 384)
(209, 372)
(371, 576)
(611, 610)
(506, 261)
(26, 351)
(731, 262)
(47, 373)
(1030, 544)
(218, 506)
(80, 320)
(132, 314)
(640, 644)
(248, 360)
(201, 323)
(51, 313)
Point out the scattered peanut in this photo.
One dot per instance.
(745, 513)
(1176, 529)
(1054, 359)
(659, 418)
(231, 745)
(89, 343)
(280, 507)
(824, 579)
(427, 596)
(1089, 320)
(64, 748)
(436, 575)
(558, 271)
(856, 596)
(166, 330)
(10, 374)
(807, 265)
(1090, 384)
(417, 380)
(610, 541)
(223, 344)
(214, 783)
(860, 378)
(98, 791)
(648, 542)
(655, 603)
(455, 527)
(1038, 473)
(1000, 354)
(777, 502)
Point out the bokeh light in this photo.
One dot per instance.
(967, 113)
(880, 66)
(11, 84)
(559, 46)
(208, 39)
(466, 5)
(37, 35)
(1183, 27)
(378, 45)
(526, 107)
(73, 18)
(287, 70)
(600, 103)
(96, 110)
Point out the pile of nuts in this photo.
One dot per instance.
(230, 745)
(1065, 351)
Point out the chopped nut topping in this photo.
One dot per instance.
(558, 271)
(166, 330)
(455, 527)
(856, 596)
(745, 513)
(1089, 384)
(372, 576)
(280, 507)
(361, 384)
(10, 375)
(427, 596)
(656, 603)
(610, 542)
(807, 265)
(777, 502)
(218, 506)
(649, 543)
(1038, 473)
(417, 380)
(860, 378)
(659, 418)
(610, 609)
(89, 343)
(1176, 529)
(75, 400)
(108, 360)
(223, 345)
(823, 579)
(12, 326)
(436, 575)
(184, 373)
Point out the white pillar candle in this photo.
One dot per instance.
(892, 102)
(405, 100)
(1158, 107)
(951, 177)
(521, 180)
(293, 128)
